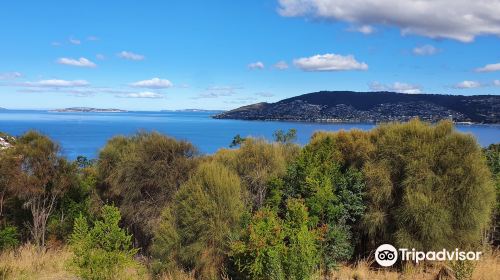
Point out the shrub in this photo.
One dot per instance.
(332, 190)
(272, 248)
(257, 162)
(103, 250)
(428, 187)
(9, 237)
(206, 212)
(140, 175)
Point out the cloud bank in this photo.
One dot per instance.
(460, 20)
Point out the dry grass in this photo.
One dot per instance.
(26, 263)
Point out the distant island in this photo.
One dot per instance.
(87, 110)
(373, 107)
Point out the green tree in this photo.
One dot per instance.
(42, 176)
(332, 189)
(237, 141)
(285, 137)
(205, 214)
(140, 175)
(101, 251)
(428, 187)
(258, 162)
(492, 153)
(273, 248)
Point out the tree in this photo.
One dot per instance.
(429, 187)
(41, 178)
(275, 248)
(205, 214)
(257, 162)
(492, 153)
(332, 188)
(140, 175)
(237, 141)
(285, 138)
(104, 250)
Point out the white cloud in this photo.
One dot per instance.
(92, 38)
(144, 94)
(461, 20)
(256, 65)
(467, 84)
(496, 83)
(100, 56)
(281, 65)
(153, 83)
(365, 29)
(10, 75)
(489, 68)
(131, 55)
(329, 62)
(55, 83)
(74, 41)
(396, 87)
(81, 62)
(425, 50)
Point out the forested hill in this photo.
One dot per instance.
(349, 106)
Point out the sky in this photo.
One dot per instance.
(222, 54)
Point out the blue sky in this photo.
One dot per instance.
(153, 55)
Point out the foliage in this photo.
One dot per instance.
(237, 141)
(492, 154)
(9, 237)
(273, 248)
(42, 176)
(428, 187)
(140, 174)
(102, 251)
(285, 138)
(257, 162)
(332, 190)
(205, 213)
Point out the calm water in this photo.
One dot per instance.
(85, 133)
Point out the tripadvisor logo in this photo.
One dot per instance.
(387, 255)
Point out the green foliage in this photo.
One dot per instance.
(9, 238)
(332, 191)
(258, 162)
(205, 214)
(272, 248)
(39, 178)
(140, 174)
(237, 141)
(103, 250)
(285, 138)
(428, 187)
(492, 154)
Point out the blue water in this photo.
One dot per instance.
(85, 133)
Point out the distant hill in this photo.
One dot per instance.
(87, 110)
(349, 106)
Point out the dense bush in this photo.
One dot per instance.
(101, 251)
(195, 230)
(332, 190)
(492, 153)
(140, 175)
(42, 177)
(9, 237)
(273, 248)
(428, 187)
(257, 162)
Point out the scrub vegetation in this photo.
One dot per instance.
(153, 207)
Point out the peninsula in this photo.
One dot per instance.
(373, 107)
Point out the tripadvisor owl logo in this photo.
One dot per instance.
(386, 255)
